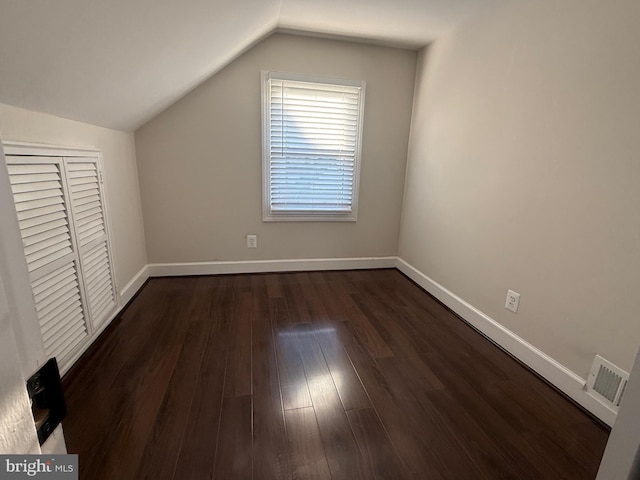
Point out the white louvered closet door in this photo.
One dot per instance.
(46, 227)
(62, 218)
(87, 205)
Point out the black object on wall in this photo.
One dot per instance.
(47, 399)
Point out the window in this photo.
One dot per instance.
(312, 130)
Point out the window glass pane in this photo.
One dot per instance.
(312, 136)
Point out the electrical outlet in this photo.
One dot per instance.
(513, 301)
(252, 241)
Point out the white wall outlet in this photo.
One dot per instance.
(513, 301)
(252, 241)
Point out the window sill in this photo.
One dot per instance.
(305, 217)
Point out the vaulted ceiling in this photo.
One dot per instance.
(117, 63)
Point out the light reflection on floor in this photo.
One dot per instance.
(320, 385)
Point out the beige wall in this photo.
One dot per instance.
(524, 173)
(200, 160)
(119, 159)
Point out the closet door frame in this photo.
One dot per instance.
(59, 153)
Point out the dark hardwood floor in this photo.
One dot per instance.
(343, 375)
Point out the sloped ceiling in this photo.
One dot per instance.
(117, 63)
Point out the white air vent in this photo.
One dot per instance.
(606, 383)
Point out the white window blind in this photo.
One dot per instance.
(312, 131)
(61, 215)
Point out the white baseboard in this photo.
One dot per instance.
(131, 288)
(263, 266)
(555, 373)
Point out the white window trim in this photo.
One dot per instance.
(314, 216)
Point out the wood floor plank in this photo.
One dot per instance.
(345, 378)
(554, 460)
(399, 422)
(293, 381)
(481, 446)
(238, 377)
(296, 396)
(452, 459)
(369, 336)
(313, 301)
(378, 453)
(274, 285)
(270, 458)
(296, 302)
(279, 313)
(336, 310)
(234, 451)
(196, 458)
(337, 438)
(307, 457)
(159, 457)
(404, 343)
